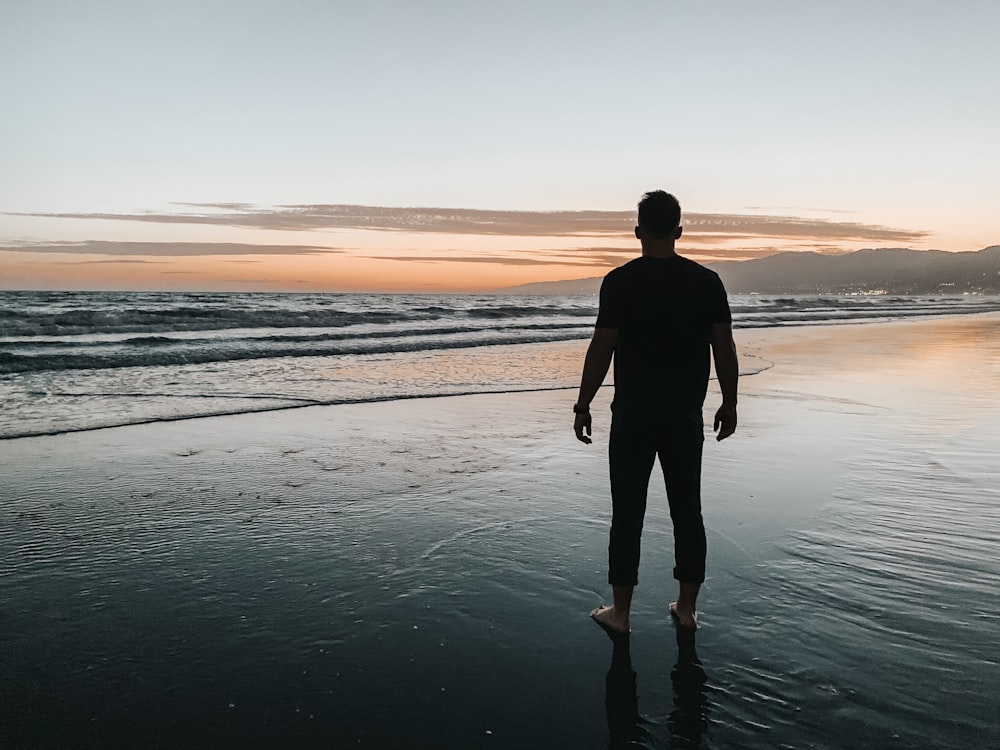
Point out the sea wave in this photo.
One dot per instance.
(154, 351)
(71, 330)
(26, 314)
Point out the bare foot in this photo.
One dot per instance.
(685, 616)
(611, 620)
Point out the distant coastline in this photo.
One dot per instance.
(875, 271)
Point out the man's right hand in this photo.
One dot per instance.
(725, 421)
(581, 424)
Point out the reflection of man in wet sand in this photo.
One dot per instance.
(659, 316)
(690, 714)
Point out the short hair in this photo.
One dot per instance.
(659, 214)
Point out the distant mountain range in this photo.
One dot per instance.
(889, 271)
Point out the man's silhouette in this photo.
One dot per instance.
(659, 316)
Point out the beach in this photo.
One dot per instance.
(418, 572)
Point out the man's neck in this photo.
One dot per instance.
(658, 250)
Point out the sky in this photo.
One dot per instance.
(389, 145)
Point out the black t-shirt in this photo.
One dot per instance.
(664, 310)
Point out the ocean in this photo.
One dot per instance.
(408, 572)
(74, 361)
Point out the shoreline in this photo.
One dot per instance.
(758, 337)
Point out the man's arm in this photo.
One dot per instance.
(595, 368)
(727, 369)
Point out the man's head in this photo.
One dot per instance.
(659, 217)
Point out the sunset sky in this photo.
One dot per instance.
(443, 145)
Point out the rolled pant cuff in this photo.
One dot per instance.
(689, 576)
(623, 581)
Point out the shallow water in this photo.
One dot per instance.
(81, 360)
(418, 575)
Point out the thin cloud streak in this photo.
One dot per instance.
(614, 256)
(791, 208)
(503, 260)
(165, 249)
(117, 262)
(791, 228)
(503, 223)
(606, 257)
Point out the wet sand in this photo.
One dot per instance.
(420, 573)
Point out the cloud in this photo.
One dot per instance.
(163, 249)
(99, 262)
(504, 223)
(597, 257)
(737, 253)
(734, 226)
(503, 260)
(220, 206)
(584, 256)
(434, 220)
(795, 208)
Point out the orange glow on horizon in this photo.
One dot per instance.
(359, 261)
(276, 273)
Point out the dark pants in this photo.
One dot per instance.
(636, 439)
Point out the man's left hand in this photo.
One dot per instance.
(581, 425)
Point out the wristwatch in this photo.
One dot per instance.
(577, 409)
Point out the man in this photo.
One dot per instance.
(659, 316)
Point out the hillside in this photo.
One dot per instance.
(892, 271)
